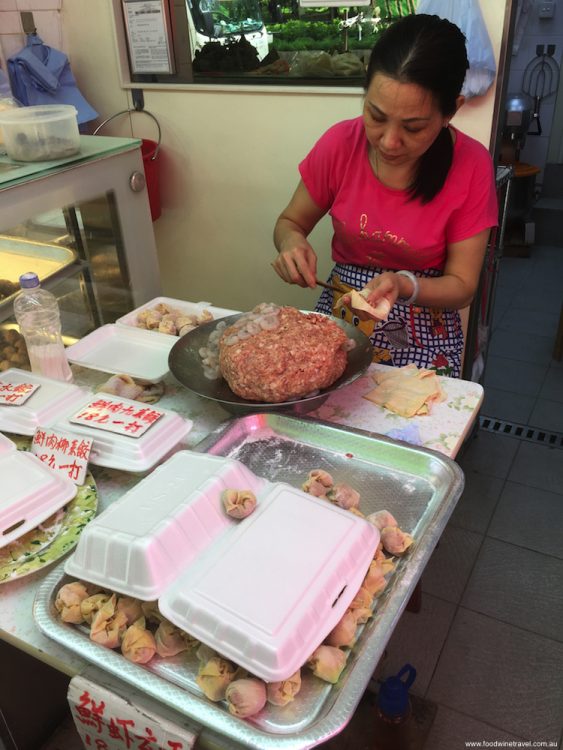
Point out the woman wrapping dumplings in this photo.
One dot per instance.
(412, 199)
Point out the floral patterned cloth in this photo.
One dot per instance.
(426, 336)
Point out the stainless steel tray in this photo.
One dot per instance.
(418, 486)
(19, 255)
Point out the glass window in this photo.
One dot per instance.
(289, 42)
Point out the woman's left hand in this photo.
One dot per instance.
(385, 286)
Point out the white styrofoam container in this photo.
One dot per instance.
(264, 591)
(126, 452)
(29, 492)
(42, 407)
(145, 539)
(116, 349)
(189, 308)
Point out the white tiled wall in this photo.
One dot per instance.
(47, 17)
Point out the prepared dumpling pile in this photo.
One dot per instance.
(135, 627)
(166, 319)
(407, 391)
(276, 354)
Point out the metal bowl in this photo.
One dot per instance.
(186, 366)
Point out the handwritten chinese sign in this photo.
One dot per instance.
(16, 394)
(117, 416)
(107, 721)
(61, 452)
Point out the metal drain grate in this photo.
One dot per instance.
(522, 431)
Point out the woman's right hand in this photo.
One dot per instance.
(297, 264)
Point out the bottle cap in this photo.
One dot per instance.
(393, 696)
(29, 280)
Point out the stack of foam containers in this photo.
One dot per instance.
(29, 491)
(53, 405)
(264, 591)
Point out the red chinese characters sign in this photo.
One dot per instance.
(117, 416)
(15, 394)
(61, 452)
(105, 721)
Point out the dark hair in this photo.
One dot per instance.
(430, 52)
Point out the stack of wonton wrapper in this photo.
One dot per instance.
(407, 391)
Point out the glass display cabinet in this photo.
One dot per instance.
(83, 225)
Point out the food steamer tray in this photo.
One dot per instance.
(420, 487)
(186, 366)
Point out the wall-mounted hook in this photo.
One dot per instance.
(28, 23)
(138, 99)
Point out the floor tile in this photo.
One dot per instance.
(497, 673)
(418, 640)
(538, 466)
(526, 347)
(514, 272)
(518, 586)
(449, 568)
(536, 322)
(477, 503)
(507, 406)
(552, 387)
(529, 517)
(538, 298)
(452, 730)
(506, 374)
(548, 415)
(489, 454)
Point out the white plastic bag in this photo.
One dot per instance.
(467, 15)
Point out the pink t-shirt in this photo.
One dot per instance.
(378, 226)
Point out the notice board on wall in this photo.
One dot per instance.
(149, 36)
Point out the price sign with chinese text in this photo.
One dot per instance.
(105, 720)
(106, 413)
(65, 453)
(16, 394)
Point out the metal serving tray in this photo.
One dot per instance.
(420, 487)
(20, 255)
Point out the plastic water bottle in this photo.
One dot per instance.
(38, 316)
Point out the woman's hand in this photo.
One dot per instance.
(297, 264)
(381, 292)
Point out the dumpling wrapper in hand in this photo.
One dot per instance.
(215, 676)
(344, 633)
(283, 692)
(239, 503)
(359, 302)
(138, 644)
(246, 697)
(68, 601)
(108, 625)
(327, 663)
(395, 541)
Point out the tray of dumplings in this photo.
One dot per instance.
(126, 434)
(256, 573)
(139, 343)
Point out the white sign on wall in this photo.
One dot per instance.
(148, 36)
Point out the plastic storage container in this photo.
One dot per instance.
(40, 133)
(37, 313)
